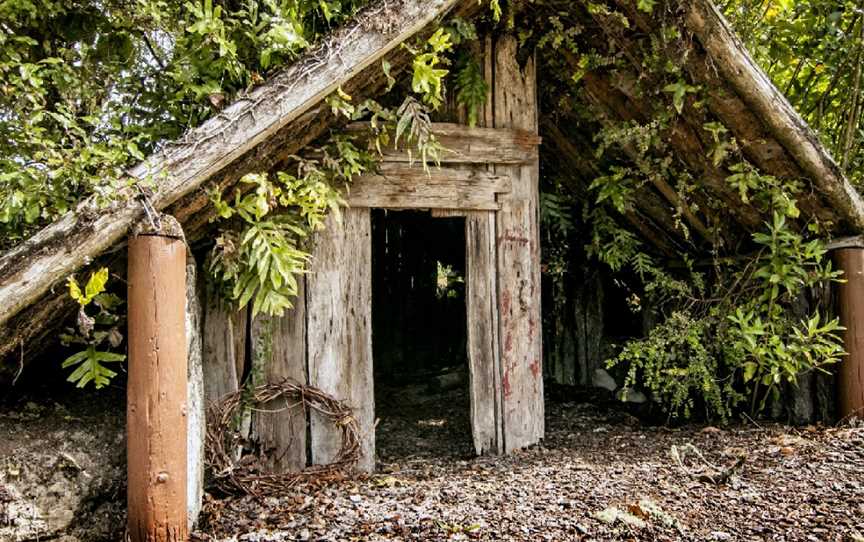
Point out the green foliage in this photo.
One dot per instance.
(813, 50)
(414, 128)
(678, 364)
(87, 88)
(90, 367)
(471, 88)
(744, 341)
(92, 331)
(446, 281)
(259, 255)
(428, 79)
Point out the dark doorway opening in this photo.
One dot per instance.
(419, 336)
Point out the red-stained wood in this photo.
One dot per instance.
(514, 101)
(850, 377)
(157, 390)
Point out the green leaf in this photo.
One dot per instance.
(646, 5)
(96, 284)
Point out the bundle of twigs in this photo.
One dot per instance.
(234, 474)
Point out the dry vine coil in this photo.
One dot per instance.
(237, 475)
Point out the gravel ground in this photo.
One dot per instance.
(599, 475)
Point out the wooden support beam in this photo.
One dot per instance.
(157, 389)
(402, 186)
(470, 145)
(850, 376)
(514, 90)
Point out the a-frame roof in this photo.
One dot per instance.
(278, 118)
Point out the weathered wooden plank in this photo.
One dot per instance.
(402, 186)
(469, 145)
(220, 359)
(483, 360)
(195, 408)
(240, 326)
(339, 333)
(279, 427)
(449, 213)
(518, 238)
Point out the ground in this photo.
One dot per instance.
(599, 475)
(62, 465)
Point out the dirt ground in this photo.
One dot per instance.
(599, 475)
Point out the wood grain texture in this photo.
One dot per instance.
(518, 238)
(157, 390)
(279, 428)
(402, 186)
(484, 363)
(196, 424)
(339, 333)
(470, 145)
(220, 359)
(850, 377)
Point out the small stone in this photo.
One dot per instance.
(603, 379)
(355, 498)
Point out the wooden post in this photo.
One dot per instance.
(157, 388)
(851, 306)
(514, 92)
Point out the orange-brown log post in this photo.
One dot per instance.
(850, 378)
(156, 392)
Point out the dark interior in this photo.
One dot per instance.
(419, 335)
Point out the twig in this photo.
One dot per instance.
(233, 475)
(20, 364)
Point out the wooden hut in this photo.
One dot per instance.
(490, 179)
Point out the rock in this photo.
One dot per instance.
(449, 381)
(629, 395)
(65, 477)
(603, 379)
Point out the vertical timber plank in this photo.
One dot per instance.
(339, 335)
(279, 343)
(515, 106)
(195, 408)
(220, 360)
(484, 364)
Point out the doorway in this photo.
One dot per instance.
(419, 336)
